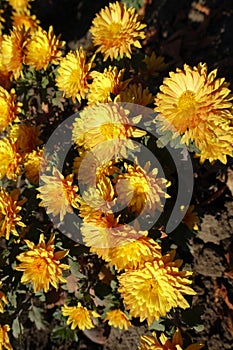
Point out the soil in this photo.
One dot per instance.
(183, 34)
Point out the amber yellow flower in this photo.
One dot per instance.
(140, 189)
(116, 30)
(41, 265)
(19, 5)
(9, 213)
(198, 106)
(191, 218)
(10, 160)
(24, 18)
(117, 319)
(58, 194)
(4, 337)
(148, 342)
(74, 74)
(151, 291)
(134, 93)
(3, 299)
(2, 20)
(13, 50)
(79, 316)
(106, 122)
(34, 163)
(106, 85)
(25, 136)
(41, 48)
(154, 64)
(9, 107)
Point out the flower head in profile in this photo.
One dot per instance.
(25, 136)
(198, 106)
(4, 337)
(151, 342)
(13, 50)
(74, 74)
(20, 5)
(9, 213)
(105, 85)
(3, 299)
(41, 48)
(140, 189)
(79, 316)
(58, 194)
(191, 219)
(117, 319)
(134, 93)
(33, 164)
(9, 107)
(116, 30)
(41, 265)
(153, 290)
(10, 160)
(24, 18)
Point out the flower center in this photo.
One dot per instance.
(110, 130)
(114, 30)
(187, 101)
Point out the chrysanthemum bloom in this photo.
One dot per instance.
(140, 189)
(106, 122)
(10, 160)
(4, 338)
(74, 73)
(151, 291)
(198, 106)
(2, 20)
(58, 194)
(9, 213)
(13, 50)
(116, 30)
(5, 76)
(19, 5)
(133, 255)
(24, 18)
(34, 163)
(191, 218)
(134, 93)
(105, 85)
(3, 299)
(117, 319)
(154, 64)
(79, 316)
(9, 107)
(41, 265)
(148, 342)
(42, 48)
(25, 136)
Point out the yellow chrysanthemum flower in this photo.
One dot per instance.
(19, 5)
(10, 160)
(151, 291)
(13, 50)
(133, 255)
(74, 73)
(79, 316)
(2, 20)
(24, 18)
(198, 106)
(3, 299)
(41, 265)
(9, 213)
(34, 163)
(134, 93)
(106, 122)
(118, 319)
(148, 342)
(140, 189)
(4, 337)
(41, 48)
(58, 194)
(9, 107)
(154, 65)
(25, 136)
(191, 218)
(116, 30)
(106, 85)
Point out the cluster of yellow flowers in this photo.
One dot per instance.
(191, 103)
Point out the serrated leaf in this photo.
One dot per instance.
(44, 82)
(12, 297)
(35, 315)
(64, 333)
(17, 328)
(74, 268)
(157, 326)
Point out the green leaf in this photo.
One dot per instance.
(35, 315)
(17, 328)
(74, 268)
(64, 333)
(137, 4)
(157, 326)
(44, 82)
